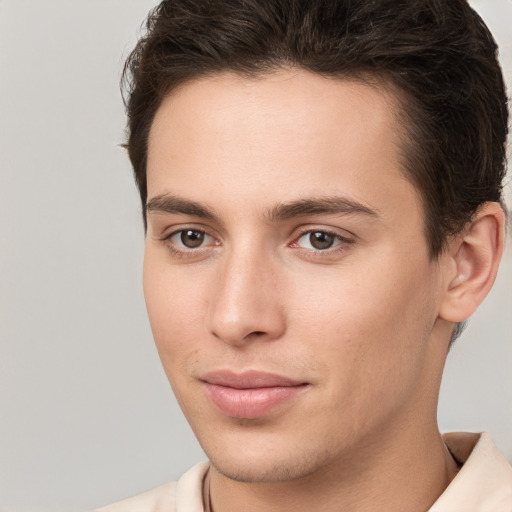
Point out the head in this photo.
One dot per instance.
(321, 184)
(437, 58)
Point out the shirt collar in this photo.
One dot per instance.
(484, 483)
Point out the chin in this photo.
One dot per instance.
(265, 466)
(273, 471)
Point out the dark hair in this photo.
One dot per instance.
(436, 56)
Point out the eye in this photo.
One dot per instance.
(319, 240)
(190, 238)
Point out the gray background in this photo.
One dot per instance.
(86, 414)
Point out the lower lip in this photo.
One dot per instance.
(250, 403)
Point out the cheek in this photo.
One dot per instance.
(175, 313)
(366, 346)
(373, 322)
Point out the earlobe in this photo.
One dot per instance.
(474, 257)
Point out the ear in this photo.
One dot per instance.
(472, 261)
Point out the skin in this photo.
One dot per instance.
(365, 324)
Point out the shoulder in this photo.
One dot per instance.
(184, 494)
(157, 499)
(484, 483)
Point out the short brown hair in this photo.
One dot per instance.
(437, 54)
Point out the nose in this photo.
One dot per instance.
(245, 300)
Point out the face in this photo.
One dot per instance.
(287, 277)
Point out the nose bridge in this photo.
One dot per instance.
(244, 302)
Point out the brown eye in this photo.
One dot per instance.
(190, 242)
(320, 240)
(191, 238)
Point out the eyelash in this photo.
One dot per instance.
(185, 252)
(341, 246)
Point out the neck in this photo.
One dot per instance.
(396, 474)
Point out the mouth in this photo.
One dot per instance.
(251, 394)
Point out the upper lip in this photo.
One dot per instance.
(248, 379)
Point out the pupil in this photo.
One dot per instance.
(321, 240)
(192, 239)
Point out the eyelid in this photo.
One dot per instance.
(341, 234)
(173, 230)
(343, 243)
(343, 238)
(187, 253)
(182, 246)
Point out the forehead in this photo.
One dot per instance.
(277, 138)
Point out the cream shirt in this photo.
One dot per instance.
(483, 484)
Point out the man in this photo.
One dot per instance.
(321, 185)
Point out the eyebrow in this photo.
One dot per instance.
(167, 203)
(320, 206)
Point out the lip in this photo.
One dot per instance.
(250, 394)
